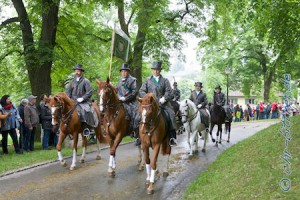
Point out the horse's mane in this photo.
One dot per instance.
(103, 84)
(63, 95)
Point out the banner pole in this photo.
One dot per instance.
(111, 52)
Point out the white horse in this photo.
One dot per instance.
(192, 123)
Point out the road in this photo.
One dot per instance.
(91, 181)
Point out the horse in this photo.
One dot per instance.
(64, 112)
(191, 120)
(218, 117)
(115, 123)
(153, 133)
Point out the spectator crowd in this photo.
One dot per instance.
(22, 123)
(263, 111)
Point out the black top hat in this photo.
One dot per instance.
(175, 83)
(78, 67)
(156, 65)
(125, 66)
(218, 87)
(198, 84)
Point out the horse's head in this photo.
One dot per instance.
(55, 104)
(107, 95)
(148, 109)
(184, 110)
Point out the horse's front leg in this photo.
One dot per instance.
(229, 127)
(187, 129)
(61, 139)
(155, 153)
(192, 142)
(75, 142)
(141, 160)
(220, 141)
(84, 147)
(112, 157)
(148, 167)
(210, 132)
(205, 138)
(98, 137)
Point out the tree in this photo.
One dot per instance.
(249, 40)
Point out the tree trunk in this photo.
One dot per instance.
(39, 61)
(137, 60)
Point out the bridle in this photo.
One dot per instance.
(187, 115)
(66, 118)
(154, 120)
(108, 91)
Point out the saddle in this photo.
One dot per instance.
(204, 117)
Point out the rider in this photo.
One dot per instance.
(175, 92)
(161, 88)
(200, 100)
(127, 92)
(80, 90)
(219, 98)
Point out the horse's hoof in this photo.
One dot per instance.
(81, 161)
(141, 168)
(150, 191)
(147, 182)
(165, 174)
(195, 152)
(227, 141)
(112, 174)
(220, 142)
(63, 163)
(72, 168)
(213, 140)
(98, 157)
(203, 150)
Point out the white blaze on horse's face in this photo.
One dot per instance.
(144, 112)
(53, 109)
(101, 100)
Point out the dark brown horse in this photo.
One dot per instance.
(218, 116)
(153, 134)
(115, 123)
(63, 110)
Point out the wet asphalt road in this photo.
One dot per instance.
(91, 181)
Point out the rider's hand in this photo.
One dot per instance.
(122, 98)
(199, 106)
(80, 99)
(162, 100)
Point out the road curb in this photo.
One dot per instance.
(48, 162)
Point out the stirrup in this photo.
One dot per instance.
(86, 132)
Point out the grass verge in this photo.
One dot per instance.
(14, 161)
(252, 169)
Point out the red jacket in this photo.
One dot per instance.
(274, 106)
(261, 107)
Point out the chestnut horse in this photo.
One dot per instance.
(114, 122)
(63, 110)
(153, 134)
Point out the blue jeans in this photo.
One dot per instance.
(47, 133)
(274, 114)
(29, 139)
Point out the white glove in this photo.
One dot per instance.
(199, 106)
(80, 99)
(122, 98)
(162, 100)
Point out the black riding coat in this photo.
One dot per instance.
(199, 99)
